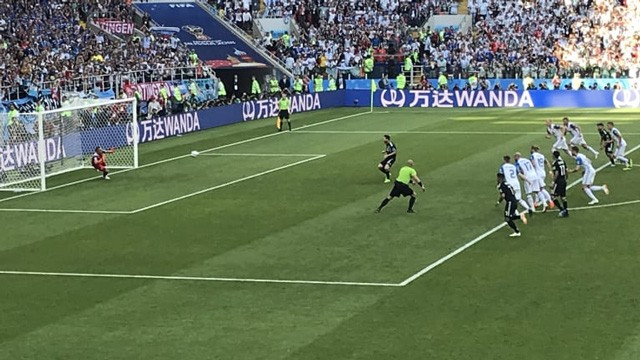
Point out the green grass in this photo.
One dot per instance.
(567, 289)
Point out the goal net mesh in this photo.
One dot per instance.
(36, 146)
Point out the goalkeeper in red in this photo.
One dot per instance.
(99, 163)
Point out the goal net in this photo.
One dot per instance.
(36, 146)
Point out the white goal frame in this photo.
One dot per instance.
(126, 139)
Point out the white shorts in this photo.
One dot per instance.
(541, 178)
(518, 192)
(621, 149)
(560, 145)
(516, 189)
(578, 140)
(532, 187)
(588, 178)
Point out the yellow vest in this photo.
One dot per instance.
(13, 116)
(332, 85)
(193, 88)
(163, 93)
(408, 64)
(368, 65)
(318, 84)
(273, 85)
(401, 81)
(177, 94)
(221, 90)
(255, 87)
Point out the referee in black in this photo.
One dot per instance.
(560, 184)
(510, 208)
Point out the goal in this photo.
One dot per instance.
(37, 146)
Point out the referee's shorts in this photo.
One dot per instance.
(283, 114)
(400, 189)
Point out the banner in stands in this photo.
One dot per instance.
(116, 27)
(152, 89)
(13, 156)
(262, 109)
(147, 90)
(214, 43)
(28, 104)
(496, 98)
(178, 124)
(21, 155)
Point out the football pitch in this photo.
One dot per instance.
(266, 246)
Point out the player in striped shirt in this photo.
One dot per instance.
(528, 174)
(510, 173)
(577, 138)
(540, 163)
(621, 146)
(606, 143)
(558, 132)
(589, 175)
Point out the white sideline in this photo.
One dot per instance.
(590, 207)
(199, 192)
(194, 278)
(188, 155)
(431, 132)
(262, 155)
(67, 211)
(272, 281)
(462, 248)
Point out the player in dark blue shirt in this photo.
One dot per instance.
(560, 176)
(389, 158)
(606, 143)
(508, 194)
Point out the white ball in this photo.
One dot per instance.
(194, 153)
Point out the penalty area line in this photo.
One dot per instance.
(590, 207)
(418, 132)
(199, 192)
(261, 155)
(469, 244)
(68, 211)
(192, 278)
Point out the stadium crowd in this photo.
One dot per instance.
(508, 39)
(339, 33)
(592, 37)
(47, 43)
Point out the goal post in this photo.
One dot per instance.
(37, 146)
